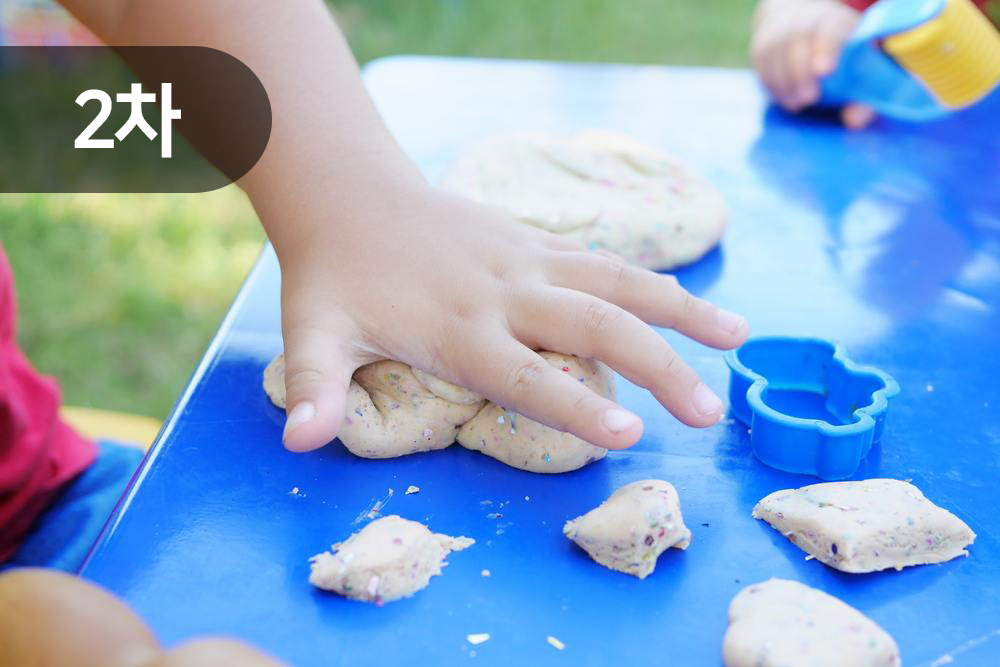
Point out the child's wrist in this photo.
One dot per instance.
(308, 216)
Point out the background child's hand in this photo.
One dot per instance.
(53, 618)
(467, 293)
(797, 42)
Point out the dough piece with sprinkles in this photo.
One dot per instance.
(389, 411)
(388, 559)
(782, 623)
(630, 529)
(866, 526)
(394, 410)
(529, 445)
(605, 189)
(446, 390)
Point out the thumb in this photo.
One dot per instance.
(317, 375)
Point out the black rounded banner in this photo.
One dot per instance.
(128, 119)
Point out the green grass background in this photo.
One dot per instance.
(120, 294)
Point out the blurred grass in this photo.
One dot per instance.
(120, 294)
(710, 32)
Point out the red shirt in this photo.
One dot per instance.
(862, 5)
(39, 453)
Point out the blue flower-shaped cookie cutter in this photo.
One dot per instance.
(810, 409)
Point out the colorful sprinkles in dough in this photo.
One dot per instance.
(630, 529)
(400, 410)
(866, 526)
(604, 189)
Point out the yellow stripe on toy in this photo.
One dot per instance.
(956, 55)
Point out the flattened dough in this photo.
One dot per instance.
(526, 444)
(782, 623)
(602, 188)
(630, 529)
(866, 526)
(394, 410)
(388, 559)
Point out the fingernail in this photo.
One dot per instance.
(300, 414)
(731, 322)
(705, 401)
(617, 420)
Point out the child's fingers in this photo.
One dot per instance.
(576, 323)
(53, 618)
(828, 39)
(857, 116)
(213, 652)
(653, 297)
(511, 375)
(802, 80)
(769, 60)
(317, 375)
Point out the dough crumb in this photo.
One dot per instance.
(478, 638)
(780, 622)
(555, 643)
(485, 573)
(866, 526)
(410, 490)
(630, 529)
(388, 559)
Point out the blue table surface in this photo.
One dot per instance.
(886, 240)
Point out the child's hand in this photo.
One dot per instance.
(797, 42)
(465, 292)
(376, 264)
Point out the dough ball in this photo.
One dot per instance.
(274, 381)
(388, 559)
(605, 189)
(394, 410)
(630, 529)
(526, 444)
(446, 390)
(390, 413)
(866, 526)
(781, 623)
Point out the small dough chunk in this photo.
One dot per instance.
(605, 189)
(390, 413)
(274, 381)
(630, 529)
(782, 623)
(388, 559)
(866, 526)
(529, 445)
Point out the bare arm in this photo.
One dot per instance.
(377, 264)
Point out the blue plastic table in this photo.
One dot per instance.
(886, 240)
